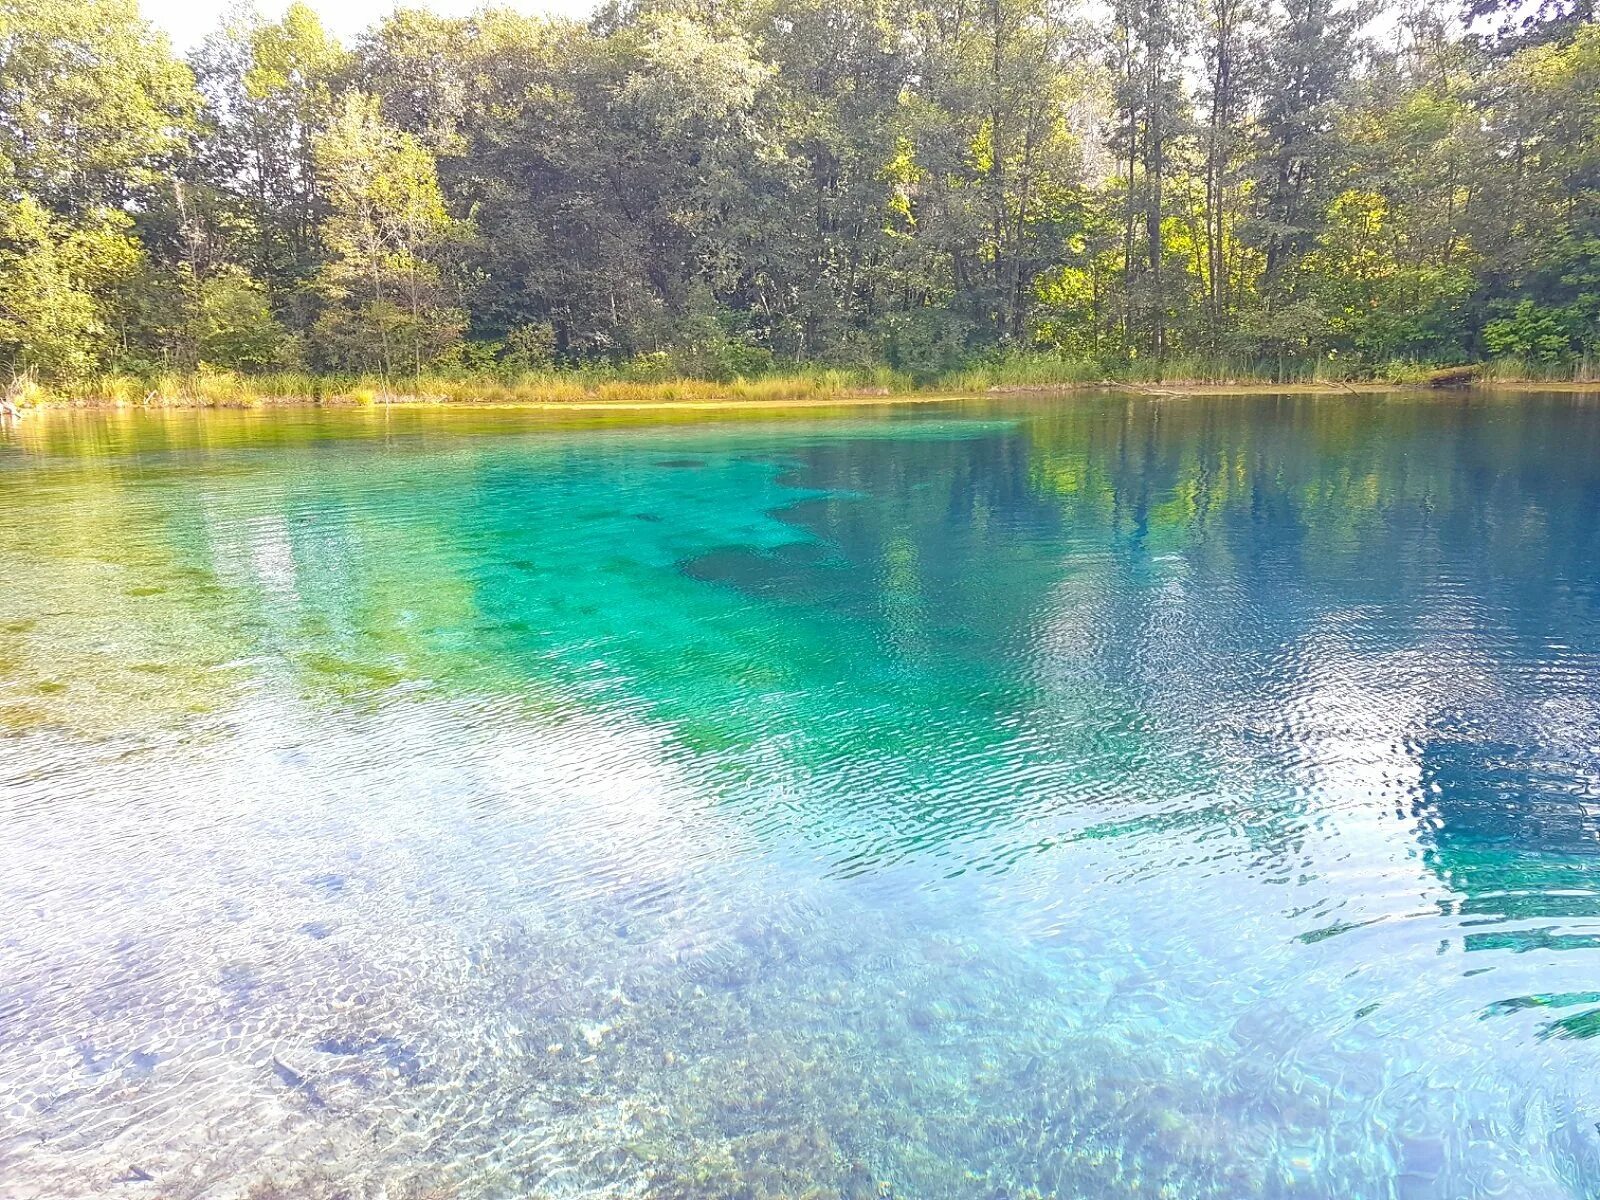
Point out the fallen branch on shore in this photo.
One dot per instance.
(1453, 377)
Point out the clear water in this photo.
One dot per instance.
(1079, 798)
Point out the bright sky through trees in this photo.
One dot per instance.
(188, 21)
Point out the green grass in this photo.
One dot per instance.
(226, 390)
(642, 383)
(1516, 370)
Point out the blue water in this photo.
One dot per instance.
(1064, 797)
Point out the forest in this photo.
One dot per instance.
(730, 189)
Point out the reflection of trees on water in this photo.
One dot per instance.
(1443, 558)
(960, 645)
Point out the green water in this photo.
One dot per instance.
(1080, 797)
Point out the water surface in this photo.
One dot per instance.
(1077, 798)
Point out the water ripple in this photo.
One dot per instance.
(1044, 799)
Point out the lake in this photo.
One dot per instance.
(1051, 797)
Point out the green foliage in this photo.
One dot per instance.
(1532, 332)
(48, 320)
(92, 103)
(386, 303)
(530, 346)
(57, 287)
(270, 89)
(1008, 192)
(1293, 332)
(237, 329)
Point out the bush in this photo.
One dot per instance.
(1531, 332)
(237, 330)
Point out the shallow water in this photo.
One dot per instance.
(1065, 798)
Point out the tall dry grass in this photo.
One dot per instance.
(635, 384)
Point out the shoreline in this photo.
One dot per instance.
(846, 399)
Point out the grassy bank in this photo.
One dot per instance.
(1051, 372)
(621, 388)
(224, 390)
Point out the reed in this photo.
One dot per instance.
(643, 382)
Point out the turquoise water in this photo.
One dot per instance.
(1073, 798)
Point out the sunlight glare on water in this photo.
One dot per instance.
(1057, 798)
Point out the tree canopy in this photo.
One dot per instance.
(725, 188)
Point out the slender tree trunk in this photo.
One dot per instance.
(1154, 168)
(1217, 141)
(1130, 213)
(997, 171)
